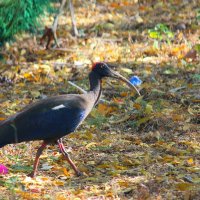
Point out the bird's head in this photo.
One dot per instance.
(103, 70)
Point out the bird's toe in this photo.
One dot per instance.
(32, 175)
(78, 173)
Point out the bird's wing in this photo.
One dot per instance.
(49, 118)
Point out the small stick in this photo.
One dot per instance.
(65, 49)
(73, 18)
(76, 86)
(55, 23)
(83, 91)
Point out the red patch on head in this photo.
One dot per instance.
(94, 65)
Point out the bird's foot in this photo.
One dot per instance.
(78, 173)
(32, 175)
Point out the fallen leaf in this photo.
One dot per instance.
(35, 93)
(143, 120)
(105, 109)
(66, 173)
(127, 70)
(192, 54)
(103, 166)
(177, 117)
(124, 94)
(123, 119)
(91, 144)
(143, 191)
(137, 106)
(183, 186)
(46, 166)
(59, 183)
(190, 161)
(148, 109)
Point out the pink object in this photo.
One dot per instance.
(3, 169)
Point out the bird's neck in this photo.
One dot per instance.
(95, 86)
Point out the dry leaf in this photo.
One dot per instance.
(183, 186)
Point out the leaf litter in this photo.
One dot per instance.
(131, 148)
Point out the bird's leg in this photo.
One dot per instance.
(66, 155)
(36, 162)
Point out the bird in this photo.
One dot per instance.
(52, 118)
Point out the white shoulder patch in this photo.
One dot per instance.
(58, 107)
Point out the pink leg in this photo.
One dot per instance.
(37, 158)
(65, 154)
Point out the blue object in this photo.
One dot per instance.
(135, 80)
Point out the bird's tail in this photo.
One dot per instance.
(1, 122)
(7, 133)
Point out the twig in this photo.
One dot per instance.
(65, 49)
(55, 22)
(76, 86)
(109, 39)
(73, 18)
(84, 92)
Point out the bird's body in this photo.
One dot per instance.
(44, 119)
(52, 118)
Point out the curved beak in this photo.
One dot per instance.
(118, 76)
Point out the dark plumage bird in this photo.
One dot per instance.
(52, 118)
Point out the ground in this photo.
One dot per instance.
(129, 147)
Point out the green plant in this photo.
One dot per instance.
(160, 33)
(21, 15)
(11, 183)
(97, 119)
(198, 14)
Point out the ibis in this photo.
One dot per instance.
(52, 118)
